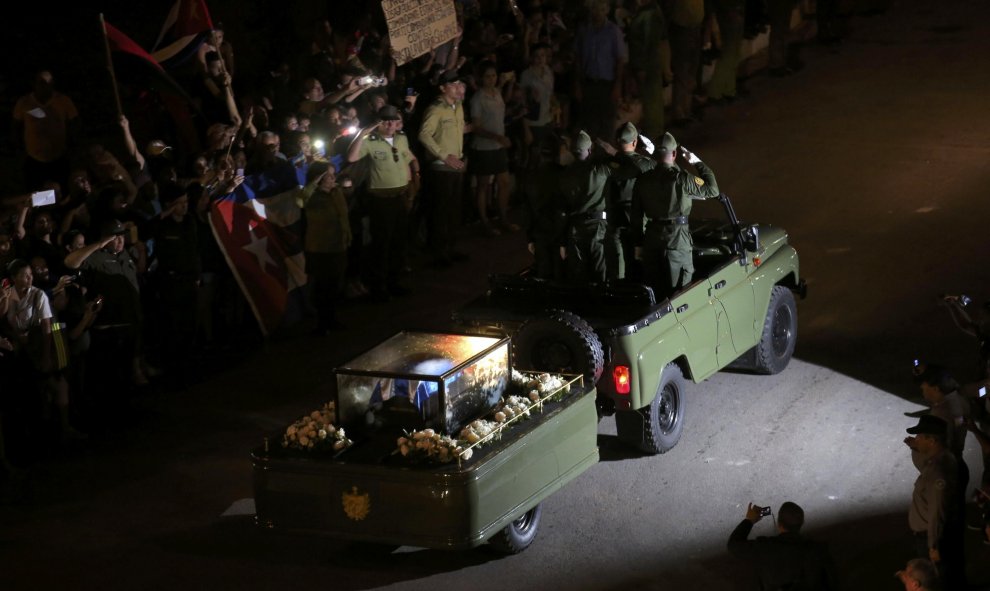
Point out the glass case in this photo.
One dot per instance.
(448, 380)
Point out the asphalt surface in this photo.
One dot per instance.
(874, 159)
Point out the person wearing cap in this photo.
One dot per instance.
(581, 207)
(935, 515)
(619, 250)
(442, 137)
(392, 185)
(660, 209)
(111, 275)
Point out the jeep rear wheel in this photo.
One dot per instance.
(664, 417)
(560, 342)
(518, 535)
(779, 337)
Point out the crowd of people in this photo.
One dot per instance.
(111, 270)
(536, 119)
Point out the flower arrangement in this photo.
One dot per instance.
(515, 406)
(316, 431)
(540, 385)
(429, 445)
(477, 431)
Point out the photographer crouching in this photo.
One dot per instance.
(787, 560)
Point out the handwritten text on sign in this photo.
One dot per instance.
(417, 26)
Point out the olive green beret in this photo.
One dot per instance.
(582, 141)
(627, 133)
(667, 143)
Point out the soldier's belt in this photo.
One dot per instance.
(678, 221)
(584, 217)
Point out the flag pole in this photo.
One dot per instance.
(113, 75)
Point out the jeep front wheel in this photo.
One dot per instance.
(776, 345)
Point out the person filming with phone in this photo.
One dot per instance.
(787, 560)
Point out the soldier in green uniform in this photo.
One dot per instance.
(659, 219)
(618, 238)
(581, 203)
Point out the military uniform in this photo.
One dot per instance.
(389, 204)
(619, 248)
(442, 135)
(659, 221)
(937, 510)
(581, 206)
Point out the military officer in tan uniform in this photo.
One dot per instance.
(393, 177)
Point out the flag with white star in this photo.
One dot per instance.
(258, 229)
(186, 27)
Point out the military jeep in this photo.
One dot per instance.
(639, 347)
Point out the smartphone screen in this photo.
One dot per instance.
(240, 172)
(43, 198)
(983, 391)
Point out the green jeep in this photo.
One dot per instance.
(639, 348)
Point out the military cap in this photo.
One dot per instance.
(112, 228)
(627, 133)
(449, 77)
(389, 113)
(582, 141)
(667, 143)
(929, 425)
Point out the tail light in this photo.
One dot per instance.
(620, 376)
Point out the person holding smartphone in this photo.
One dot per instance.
(787, 560)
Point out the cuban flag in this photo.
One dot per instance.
(259, 230)
(186, 27)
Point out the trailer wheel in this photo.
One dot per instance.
(776, 345)
(664, 417)
(559, 342)
(518, 535)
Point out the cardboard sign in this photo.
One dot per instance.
(417, 26)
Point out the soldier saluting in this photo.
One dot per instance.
(659, 219)
(581, 203)
(618, 238)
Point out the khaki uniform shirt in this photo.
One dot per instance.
(933, 496)
(442, 131)
(389, 162)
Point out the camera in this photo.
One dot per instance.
(764, 511)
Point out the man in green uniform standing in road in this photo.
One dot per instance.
(618, 238)
(659, 220)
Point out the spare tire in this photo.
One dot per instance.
(559, 342)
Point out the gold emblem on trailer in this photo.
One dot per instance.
(356, 506)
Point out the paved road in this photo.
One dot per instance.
(873, 157)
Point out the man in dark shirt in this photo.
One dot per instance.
(177, 252)
(787, 560)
